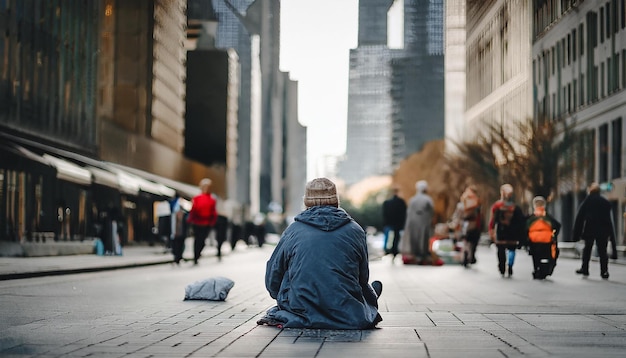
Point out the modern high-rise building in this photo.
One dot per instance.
(419, 79)
(395, 101)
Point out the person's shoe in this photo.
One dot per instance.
(510, 271)
(378, 287)
(582, 272)
(614, 256)
(473, 261)
(605, 275)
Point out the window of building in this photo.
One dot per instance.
(616, 148)
(601, 29)
(624, 67)
(574, 39)
(609, 76)
(569, 48)
(581, 34)
(602, 80)
(608, 20)
(603, 155)
(575, 97)
(623, 13)
(569, 97)
(583, 101)
(563, 53)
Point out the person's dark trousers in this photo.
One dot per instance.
(221, 231)
(502, 257)
(472, 240)
(601, 247)
(199, 236)
(178, 247)
(395, 242)
(538, 252)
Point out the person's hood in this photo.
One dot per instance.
(326, 218)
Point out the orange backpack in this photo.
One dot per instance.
(540, 231)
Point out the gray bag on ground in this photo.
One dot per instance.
(212, 289)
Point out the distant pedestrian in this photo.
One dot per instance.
(202, 217)
(594, 224)
(394, 217)
(472, 224)
(414, 244)
(507, 229)
(178, 226)
(542, 234)
(318, 272)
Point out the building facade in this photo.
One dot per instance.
(93, 114)
(498, 63)
(454, 68)
(579, 79)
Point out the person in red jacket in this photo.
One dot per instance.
(202, 217)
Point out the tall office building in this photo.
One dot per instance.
(370, 108)
(395, 100)
(419, 79)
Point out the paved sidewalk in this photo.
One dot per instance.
(433, 312)
(133, 256)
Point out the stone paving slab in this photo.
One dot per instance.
(433, 312)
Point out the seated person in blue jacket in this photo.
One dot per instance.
(318, 272)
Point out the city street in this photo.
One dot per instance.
(445, 311)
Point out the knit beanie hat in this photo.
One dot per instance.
(320, 191)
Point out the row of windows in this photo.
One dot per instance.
(605, 80)
(613, 169)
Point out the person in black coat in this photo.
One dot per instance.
(594, 224)
(394, 216)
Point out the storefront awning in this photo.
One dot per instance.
(104, 177)
(69, 171)
(185, 190)
(132, 184)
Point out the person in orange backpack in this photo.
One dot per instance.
(542, 231)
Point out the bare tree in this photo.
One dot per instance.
(531, 155)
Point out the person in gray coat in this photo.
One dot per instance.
(319, 271)
(418, 227)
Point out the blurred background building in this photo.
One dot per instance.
(109, 107)
(396, 96)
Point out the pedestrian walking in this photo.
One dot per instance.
(471, 226)
(202, 217)
(394, 217)
(507, 229)
(414, 244)
(594, 224)
(178, 226)
(319, 271)
(543, 230)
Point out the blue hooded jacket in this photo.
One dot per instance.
(319, 274)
